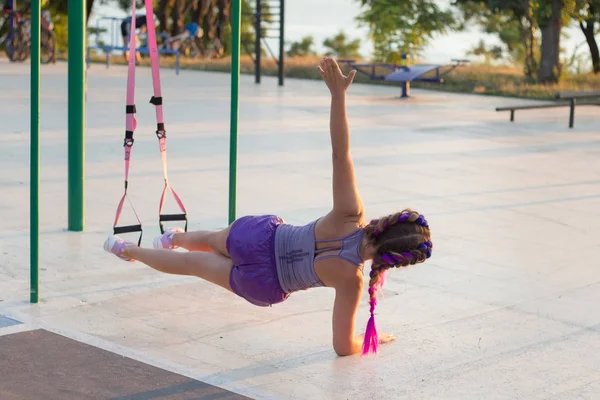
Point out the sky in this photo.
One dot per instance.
(324, 18)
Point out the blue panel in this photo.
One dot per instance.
(411, 73)
(6, 322)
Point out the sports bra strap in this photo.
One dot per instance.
(347, 250)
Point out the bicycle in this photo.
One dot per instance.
(17, 40)
(185, 42)
(13, 38)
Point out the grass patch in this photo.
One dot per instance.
(472, 79)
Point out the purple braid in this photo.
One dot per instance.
(412, 253)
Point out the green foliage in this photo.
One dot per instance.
(338, 46)
(542, 10)
(505, 20)
(247, 29)
(302, 48)
(491, 53)
(403, 26)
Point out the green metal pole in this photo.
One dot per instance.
(34, 167)
(236, 16)
(77, 35)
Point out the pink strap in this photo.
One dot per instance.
(120, 209)
(130, 121)
(157, 101)
(175, 196)
(154, 63)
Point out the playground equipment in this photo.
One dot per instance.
(34, 167)
(270, 12)
(76, 131)
(404, 73)
(571, 102)
(115, 39)
(130, 126)
(76, 127)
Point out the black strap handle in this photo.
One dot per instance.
(170, 218)
(129, 229)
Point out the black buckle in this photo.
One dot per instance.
(128, 139)
(157, 101)
(161, 133)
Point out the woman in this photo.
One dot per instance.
(264, 260)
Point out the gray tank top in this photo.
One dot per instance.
(295, 251)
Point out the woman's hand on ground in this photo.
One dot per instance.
(331, 73)
(386, 338)
(383, 338)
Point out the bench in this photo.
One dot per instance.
(566, 99)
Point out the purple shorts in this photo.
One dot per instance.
(251, 245)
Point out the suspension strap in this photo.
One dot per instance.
(130, 125)
(161, 133)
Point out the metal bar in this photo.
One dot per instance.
(236, 16)
(76, 111)
(281, 41)
(572, 113)
(257, 41)
(34, 168)
(405, 89)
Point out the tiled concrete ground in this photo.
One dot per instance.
(505, 309)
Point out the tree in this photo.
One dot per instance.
(301, 48)
(513, 21)
(587, 14)
(403, 26)
(550, 16)
(551, 23)
(338, 46)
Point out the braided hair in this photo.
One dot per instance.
(400, 240)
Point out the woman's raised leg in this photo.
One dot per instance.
(212, 267)
(214, 241)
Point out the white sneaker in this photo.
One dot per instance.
(165, 241)
(116, 246)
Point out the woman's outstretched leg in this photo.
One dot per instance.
(214, 241)
(211, 267)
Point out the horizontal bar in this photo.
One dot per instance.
(533, 107)
(530, 107)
